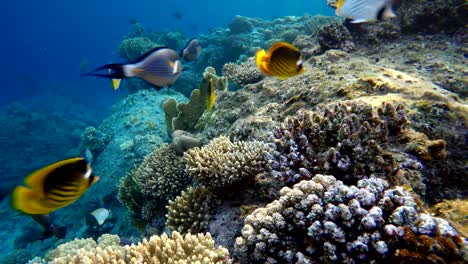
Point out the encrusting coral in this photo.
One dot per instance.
(191, 211)
(323, 220)
(223, 166)
(198, 248)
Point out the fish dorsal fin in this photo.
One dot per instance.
(142, 57)
(38, 177)
(339, 4)
(279, 45)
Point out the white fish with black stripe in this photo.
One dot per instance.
(365, 10)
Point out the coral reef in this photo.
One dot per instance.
(191, 211)
(133, 48)
(183, 141)
(455, 211)
(148, 188)
(244, 73)
(350, 142)
(223, 166)
(324, 220)
(94, 140)
(158, 250)
(185, 116)
(220, 83)
(240, 24)
(335, 36)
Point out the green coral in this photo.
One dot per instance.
(222, 166)
(185, 116)
(134, 48)
(220, 83)
(190, 212)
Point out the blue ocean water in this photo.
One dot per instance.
(45, 104)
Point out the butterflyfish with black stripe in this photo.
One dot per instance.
(54, 186)
(282, 60)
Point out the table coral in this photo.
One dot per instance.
(223, 166)
(191, 211)
(323, 220)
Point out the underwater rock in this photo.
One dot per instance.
(335, 36)
(94, 140)
(240, 24)
(432, 16)
(133, 48)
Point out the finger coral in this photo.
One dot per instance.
(157, 250)
(222, 166)
(190, 212)
(323, 220)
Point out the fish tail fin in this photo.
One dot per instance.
(116, 84)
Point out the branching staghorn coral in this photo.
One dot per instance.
(223, 166)
(325, 221)
(186, 249)
(191, 211)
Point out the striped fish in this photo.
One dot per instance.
(282, 60)
(53, 187)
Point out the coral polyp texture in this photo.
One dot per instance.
(198, 248)
(147, 188)
(191, 211)
(353, 141)
(243, 73)
(223, 166)
(322, 220)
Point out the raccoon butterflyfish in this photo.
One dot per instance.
(160, 67)
(282, 60)
(53, 187)
(365, 10)
(192, 50)
(210, 100)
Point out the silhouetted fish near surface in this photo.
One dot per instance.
(160, 67)
(53, 187)
(365, 10)
(192, 50)
(282, 60)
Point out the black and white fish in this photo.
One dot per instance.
(365, 10)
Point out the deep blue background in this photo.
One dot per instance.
(43, 42)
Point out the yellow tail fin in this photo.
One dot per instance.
(116, 83)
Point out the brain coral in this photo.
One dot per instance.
(325, 221)
(157, 250)
(190, 212)
(222, 166)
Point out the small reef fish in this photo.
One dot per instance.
(192, 50)
(365, 10)
(160, 67)
(282, 60)
(210, 100)
(53, 187)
